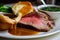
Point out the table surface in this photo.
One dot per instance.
(52, 37)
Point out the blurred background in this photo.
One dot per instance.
(34, 2)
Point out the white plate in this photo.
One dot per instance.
(55, 30)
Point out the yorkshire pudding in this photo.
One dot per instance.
(7, 20)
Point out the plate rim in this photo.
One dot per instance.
(30, 37)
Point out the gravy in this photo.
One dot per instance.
(22, 31)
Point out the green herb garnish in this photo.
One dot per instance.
(51, 8)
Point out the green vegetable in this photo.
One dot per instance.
(51, 8)
(5, 8)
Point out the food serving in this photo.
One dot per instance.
(56, 9)
(24, 20)
(51, 10)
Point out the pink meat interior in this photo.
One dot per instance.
(32, 18)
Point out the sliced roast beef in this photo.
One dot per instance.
(38, 20)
